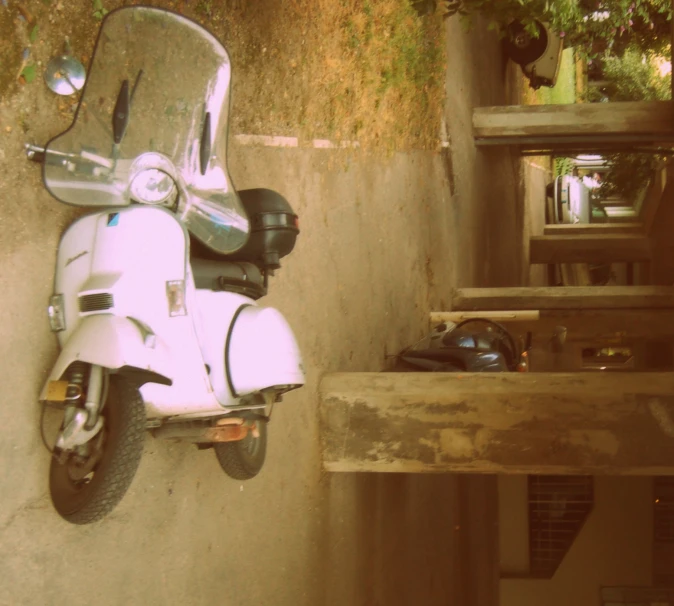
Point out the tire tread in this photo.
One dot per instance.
(125, 459)
(234, 463)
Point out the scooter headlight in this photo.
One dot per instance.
(153, 186)
(152, 179)
(56, 313)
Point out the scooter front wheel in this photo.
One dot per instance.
(83, 492)
(244, 459)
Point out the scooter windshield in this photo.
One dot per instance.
(151, 127)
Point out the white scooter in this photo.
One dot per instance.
(155, 292)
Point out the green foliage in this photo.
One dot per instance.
(563, 166)
(411, 59)
(628, 30)
(593, 26)
(205, 7)
(99, 10)
(634, 77)
(629, 174)
(615, 25)
(503, 11)
(29, 72)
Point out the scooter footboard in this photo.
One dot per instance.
(116, 343)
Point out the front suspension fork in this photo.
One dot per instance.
(81, 424)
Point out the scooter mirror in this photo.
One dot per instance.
(64, 75)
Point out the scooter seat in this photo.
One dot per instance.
(230, 276)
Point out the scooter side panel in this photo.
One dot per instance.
(263, 352)
(73, 268)
(216, 313)
(129, 254)
(130, 257)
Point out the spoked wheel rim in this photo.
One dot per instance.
(73, 478)
(80, 470)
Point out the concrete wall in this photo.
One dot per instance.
(513, 524)
(613, 548)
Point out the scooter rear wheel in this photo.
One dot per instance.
(82, 498)
(244, 459)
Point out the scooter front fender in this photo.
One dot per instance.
(115, 343)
